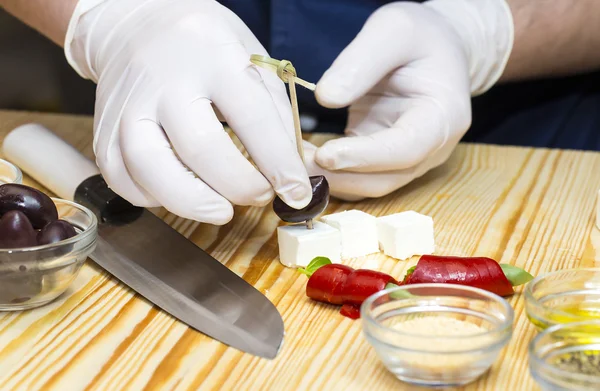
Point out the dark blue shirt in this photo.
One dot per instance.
(558, 113)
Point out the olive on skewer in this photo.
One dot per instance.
(320, 188)
(318, 203)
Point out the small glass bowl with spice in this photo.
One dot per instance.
(437, 335)
(564, 296)
(44, 242)
(567, 357)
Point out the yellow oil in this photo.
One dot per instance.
(569, 313)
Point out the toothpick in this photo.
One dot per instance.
(287, 73)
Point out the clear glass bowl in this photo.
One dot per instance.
(564, 296)
(437, 335)
(9, 173)
(566, 357)
(33, 276)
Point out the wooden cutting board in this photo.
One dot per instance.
(533, 208)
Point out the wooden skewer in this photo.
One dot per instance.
(287, 73)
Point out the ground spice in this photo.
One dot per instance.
(585, 362)
(439, 326)
(435, 331)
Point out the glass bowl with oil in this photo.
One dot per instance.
(564, 296)
(567, 357)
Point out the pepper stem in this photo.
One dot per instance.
(314, 265)
(410, 271)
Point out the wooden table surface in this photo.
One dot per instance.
(533, 208)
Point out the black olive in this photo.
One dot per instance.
(37, 206)
(318, 203)
(55, 232)
(16, 230)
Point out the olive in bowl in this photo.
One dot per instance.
(38, 264)
(37, 206)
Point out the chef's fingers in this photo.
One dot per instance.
(151, 161)
(366, 60)
(204, 146)
(418, 133)
(117, 177)
(374, 112)
(353, 186)
(107, 149)
(254, 106)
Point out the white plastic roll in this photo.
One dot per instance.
(48, 159)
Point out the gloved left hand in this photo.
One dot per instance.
(164, 69)
(408, 78)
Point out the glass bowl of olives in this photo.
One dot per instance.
(9, 173)
(43, 244)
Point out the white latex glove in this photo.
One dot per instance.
(408, 77)
(161, 68)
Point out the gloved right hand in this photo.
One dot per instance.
(408, 78)
(162, 67)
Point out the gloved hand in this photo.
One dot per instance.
(162, 68)
(408, 77)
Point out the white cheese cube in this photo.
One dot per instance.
(298, 245)
(359, 232)
(406, 234)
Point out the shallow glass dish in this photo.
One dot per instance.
(564, 296)
(9, 173)
(566, 357)
(33, 276)
(437, 335)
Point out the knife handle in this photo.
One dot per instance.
(48, 159)
(65, 171)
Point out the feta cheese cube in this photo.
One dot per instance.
(359, 232)
(298, 245)
(406, 234)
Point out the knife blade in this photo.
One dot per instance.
(149, 256)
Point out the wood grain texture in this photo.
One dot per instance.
(533, 208)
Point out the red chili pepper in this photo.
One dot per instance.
(478, 272)
(341, 284)
(326, 284)
(351, 311)
(362, 283)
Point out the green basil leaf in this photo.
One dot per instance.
(516, 275)
(408, 273)
(314, 265)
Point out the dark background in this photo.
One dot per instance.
(555, 113)
(34, 74)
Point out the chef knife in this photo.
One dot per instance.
(147, 254)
